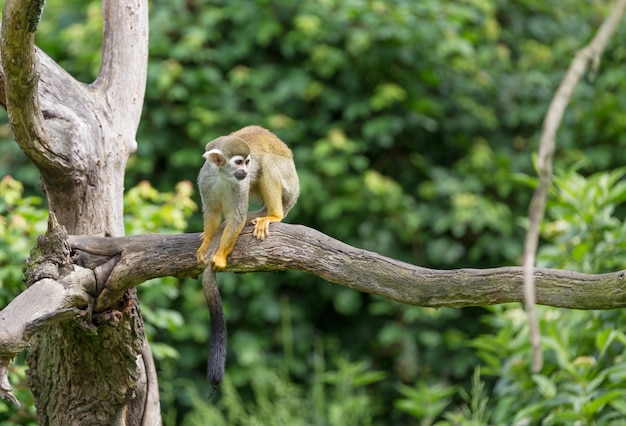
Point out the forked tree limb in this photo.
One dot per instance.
(67, 127)
(124, 42)
(589, 55)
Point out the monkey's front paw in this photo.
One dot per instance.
(218, 263)
(261, 227)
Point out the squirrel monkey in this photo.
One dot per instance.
(251, 162)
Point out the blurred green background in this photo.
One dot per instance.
(413, 125)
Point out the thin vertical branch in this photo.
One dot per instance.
(588, 55)
(124, 66)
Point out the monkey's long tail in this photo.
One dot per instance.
(217, 342)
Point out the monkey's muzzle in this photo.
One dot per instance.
(241, 174)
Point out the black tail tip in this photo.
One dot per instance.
(215, 373)
(215, 380)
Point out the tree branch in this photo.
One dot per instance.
(110, 266)
(124, 66)
(588, 55)
(20, 89)
(300, 248)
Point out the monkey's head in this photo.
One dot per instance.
(231, 156)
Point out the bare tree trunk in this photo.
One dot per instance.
(97, 370)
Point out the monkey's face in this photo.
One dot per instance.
(228, 167)
(240, 165)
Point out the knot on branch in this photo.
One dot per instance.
(50, 258)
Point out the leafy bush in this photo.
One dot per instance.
(21, 220)
(583, 379)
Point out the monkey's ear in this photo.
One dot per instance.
(216, 157)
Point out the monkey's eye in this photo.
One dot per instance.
(247, 161)
(239, 162)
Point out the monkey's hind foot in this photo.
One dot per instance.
(218, 263)
(201, 254)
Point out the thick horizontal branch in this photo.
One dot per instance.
(139, 258)
(108, 266)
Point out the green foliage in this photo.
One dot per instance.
(337, 397)
(77, 41)
(426, 401)
(146, 210)
(584, 374)
(474, 411)
(411, 123)
(25, 415)
(21, 220)
(586, 234)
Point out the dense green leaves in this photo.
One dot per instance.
(413, 124)
(584, 374)
(586, 233)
